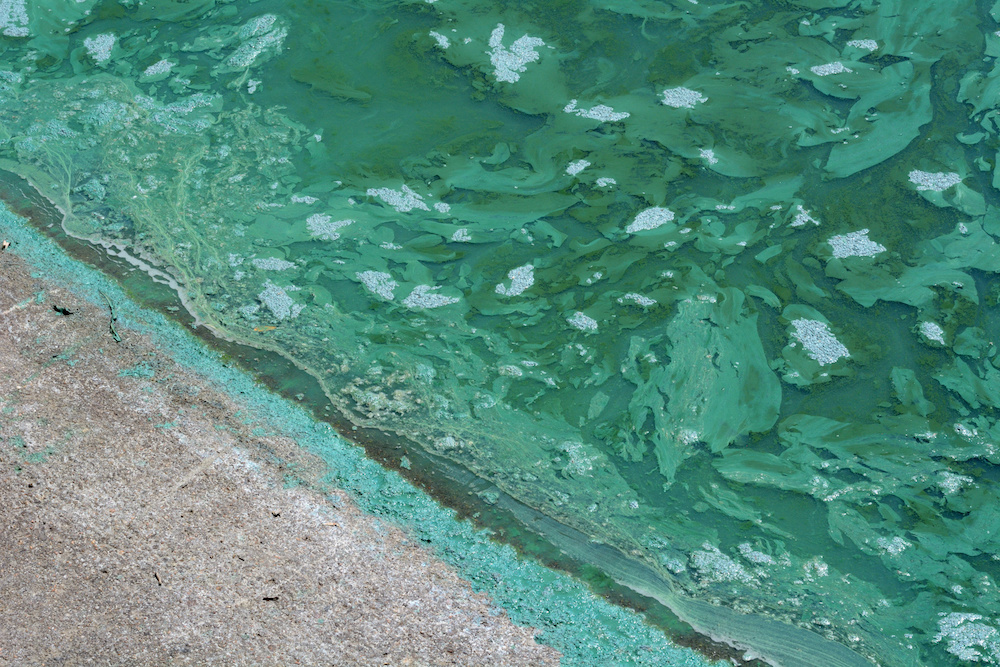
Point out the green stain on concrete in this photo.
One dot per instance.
(141, 370)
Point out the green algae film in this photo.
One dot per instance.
(710, 285)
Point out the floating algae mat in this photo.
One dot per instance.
(703, 291)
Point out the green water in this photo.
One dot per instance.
(703, 291)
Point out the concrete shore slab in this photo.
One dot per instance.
(145, 518)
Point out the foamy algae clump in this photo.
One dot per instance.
(509, 62)
(745, 267)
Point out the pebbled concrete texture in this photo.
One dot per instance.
(145, 519)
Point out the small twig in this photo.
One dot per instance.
(158, 580)
(114, 317)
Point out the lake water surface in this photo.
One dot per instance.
(705, 292)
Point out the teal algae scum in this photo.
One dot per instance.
(706, 291)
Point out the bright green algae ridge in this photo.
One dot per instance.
(745, 399)
(585, 628)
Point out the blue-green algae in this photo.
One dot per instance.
(709, 284)
(141, 370)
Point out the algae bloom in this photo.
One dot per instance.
(703, 294)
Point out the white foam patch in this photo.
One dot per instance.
(441, 40)
(866, 44)
(754, 556)
(950, 483)
(324, 227)
(637, 299)
(855, 244)
(276, 300)
(378, 283)
(404, 200)
(682, 98)
(271, 263)
(803, 216)
(423, 296)
(932, 331)
(509, 63)
(818, 341)
(601, 112)
(830, 68)
(937, 181)
(893, 546)
(99, 47)
(158, 68)
(713, 565)
(14, 18)
(259, 34)
(969, 640)
(651, 218)
(582, 321)
(521, 278)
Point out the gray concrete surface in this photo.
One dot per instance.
(144, 522)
